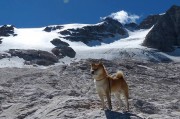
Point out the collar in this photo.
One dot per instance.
(102, 78)
(99, 79)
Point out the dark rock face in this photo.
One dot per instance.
(52, 28)
(0, 40)
(58, 43)
(131, 26)
(149, 21)
(107, 29)
(61, 52)
(6, 30)
(35, 56)
(166, 33)
(4, 55)
(62, 49)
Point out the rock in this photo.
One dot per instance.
(26, 114)
(6, 30)
(131, 26)
(77, 104)
(61, 52)
(52, 28)
(166, 33)
(0, 40)
(108, 28)
(4, 55)
(68, 91)
(35, 56)
(146, 107)
(149, 22)
(58, 43)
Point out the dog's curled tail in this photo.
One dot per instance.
(119, 75)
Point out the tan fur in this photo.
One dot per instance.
(106, 84)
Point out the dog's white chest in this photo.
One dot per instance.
(101, 86)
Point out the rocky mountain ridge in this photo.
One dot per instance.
(165, 34)
(108, 28)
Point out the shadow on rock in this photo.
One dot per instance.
(118, 115)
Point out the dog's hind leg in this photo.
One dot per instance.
(126, 96)
(118, 96)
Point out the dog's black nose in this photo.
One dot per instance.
(92, 72)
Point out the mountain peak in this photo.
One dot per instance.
(166, 32)
(112, 21)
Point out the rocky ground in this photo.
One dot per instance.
(68, 91)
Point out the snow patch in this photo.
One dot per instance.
(29, 38)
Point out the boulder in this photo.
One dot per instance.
(63, 51)
(4, 55)
(146, 107)
(58, 43)
(35, 56)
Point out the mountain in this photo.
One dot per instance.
(7, 30)
(166, 32)
(107, 29)
(146, 23)
(108, 39)
(131, 26)
(149, 21)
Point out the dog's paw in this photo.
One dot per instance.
(117, 109)
(103, 108)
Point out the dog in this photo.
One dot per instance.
(106, 84)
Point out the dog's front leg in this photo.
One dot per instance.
(108, 95)
(101, 96)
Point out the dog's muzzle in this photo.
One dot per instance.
(92, 72)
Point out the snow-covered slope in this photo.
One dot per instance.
(29, 38)
(38, 39)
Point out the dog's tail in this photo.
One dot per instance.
(119, 75)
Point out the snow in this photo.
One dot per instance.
(162, 14)
(29, 38)
(36, 38)
(175, 55)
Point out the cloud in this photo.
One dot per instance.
(124, 17)
(66, 1)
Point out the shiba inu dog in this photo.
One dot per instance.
(106, 84)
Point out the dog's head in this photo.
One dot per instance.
(97, 69)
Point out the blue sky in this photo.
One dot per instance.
(38, 13)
